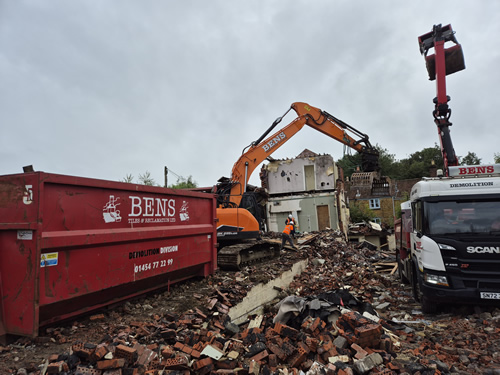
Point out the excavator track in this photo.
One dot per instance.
(234, 257)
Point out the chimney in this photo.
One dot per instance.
(433, 169)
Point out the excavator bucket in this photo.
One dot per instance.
(369, 162)
(454, 61)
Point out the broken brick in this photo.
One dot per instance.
(82, 351)
(254, 368)
(273, 361)
(286, 331)
(259, 356)
(202, 363)
(178, 362)
(277, 351)
(360, 352)
(129, 354)
(57, 367)
(110, 363)
(298, 357)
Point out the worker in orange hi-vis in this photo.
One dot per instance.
(285, 236)
(289, 220)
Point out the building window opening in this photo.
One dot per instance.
(374, 204)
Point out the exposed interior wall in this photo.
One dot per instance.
(294, 175)
(308, 187)
(304, 209)
(381, 241)
(342, 201)
(278, 209)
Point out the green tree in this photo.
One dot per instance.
(184, 183)
(386, 161)
(496, 157)
(419, 164)
(470, 159)
(128, 179)
(146, 179)
(360, 212)
(351, 163)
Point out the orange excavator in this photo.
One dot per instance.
(239, 213)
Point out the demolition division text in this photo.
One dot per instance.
(143, 253)
(160, 250)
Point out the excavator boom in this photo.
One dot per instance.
(317, 119)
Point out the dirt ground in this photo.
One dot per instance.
(470, 333)
(30, 354)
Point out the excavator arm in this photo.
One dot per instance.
(317, 119)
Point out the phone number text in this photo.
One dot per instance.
(153, 265)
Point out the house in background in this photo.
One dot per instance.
(380, 194)
(371, 192)
(311, 188)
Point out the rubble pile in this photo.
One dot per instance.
(346, 313)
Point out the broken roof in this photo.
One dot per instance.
(306, 154)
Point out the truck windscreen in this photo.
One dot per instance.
(462, 216)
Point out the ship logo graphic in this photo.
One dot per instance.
(110, 213)
(183, 213)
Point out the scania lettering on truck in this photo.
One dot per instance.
(449, 238)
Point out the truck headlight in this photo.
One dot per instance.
(442, 246)
(436, 279)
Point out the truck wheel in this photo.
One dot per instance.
(414, 283)
(402, 277)
(428, 307)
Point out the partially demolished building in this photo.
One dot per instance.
(311, 188)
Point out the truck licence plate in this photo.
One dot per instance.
(489, 295)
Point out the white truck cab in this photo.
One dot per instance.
(449, 249)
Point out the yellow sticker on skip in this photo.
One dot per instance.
(49, 259)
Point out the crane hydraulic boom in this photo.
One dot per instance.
(442, 63)
(317, 119)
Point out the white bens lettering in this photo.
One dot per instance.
(148, 207)
(171, 207)
(135, 206)
(273, 142)
(161, 207)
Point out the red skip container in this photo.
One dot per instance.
(69, 245)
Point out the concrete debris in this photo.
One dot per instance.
(341, 316)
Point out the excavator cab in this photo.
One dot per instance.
(453, 56)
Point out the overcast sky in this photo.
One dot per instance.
(106, 89)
